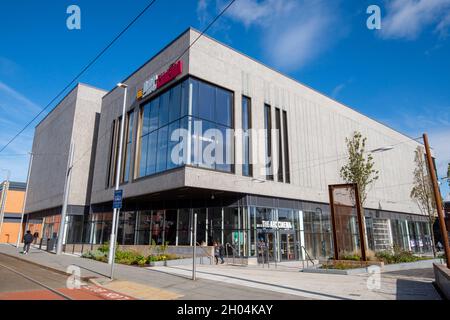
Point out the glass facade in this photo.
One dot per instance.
(128, 145)
(268, 138)
(288, 234)
(287, 169)
(191, 123)
(247, 169)
(280, 145)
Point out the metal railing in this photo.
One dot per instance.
(234, 253)
(207, 254)
(307, 256)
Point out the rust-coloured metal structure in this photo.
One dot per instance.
(359, 214)
(437, 197)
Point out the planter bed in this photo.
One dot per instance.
(384, 267)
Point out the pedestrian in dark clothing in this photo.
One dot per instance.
(216, 252)
(27, 239)
(221, 249)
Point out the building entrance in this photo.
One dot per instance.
(277, 245)
(288, 246)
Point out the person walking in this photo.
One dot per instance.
(27, 239)
(216, 252)
(221, 249)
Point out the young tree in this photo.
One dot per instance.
(422, 191)
(359, 168)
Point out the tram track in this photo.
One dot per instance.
(40, 284)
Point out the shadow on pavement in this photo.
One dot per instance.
(416, 290)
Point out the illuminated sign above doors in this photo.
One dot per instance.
(276, 225)
(157, 81)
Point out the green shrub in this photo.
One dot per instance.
(96, 255)
(340, 266)
(352, 257)
(128, 257)
(104, 247)
(399, 256)
(161, 257)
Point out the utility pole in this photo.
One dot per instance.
(194, 249)
(437, 197)
(63, 224)
(19, 236)
(116, 211)
(5, 190)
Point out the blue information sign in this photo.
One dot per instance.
(117, 202)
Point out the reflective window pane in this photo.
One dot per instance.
(206, 101)
(161, 161)
(151, 152)
(153, 114)
(223, 108)
(164, 109)
(175, 103)
(173, 140)
(143, 156)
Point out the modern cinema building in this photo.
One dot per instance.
(216, 133)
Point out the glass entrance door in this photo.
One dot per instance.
(267, 246)
(287, 246)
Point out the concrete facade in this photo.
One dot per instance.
(317, 128)
(75, 119)
(232, 208)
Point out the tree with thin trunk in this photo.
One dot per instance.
(422, 191)
(360, 167)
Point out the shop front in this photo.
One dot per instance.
(279, 234)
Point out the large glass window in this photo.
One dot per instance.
(287, 173)
(205, 122)
(128, 144)
(268, 137)
(114, 152)
(317, 233)
(246, 126)
(280, 145)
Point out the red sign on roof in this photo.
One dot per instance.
(170, 74)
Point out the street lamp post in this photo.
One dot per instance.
(63, 224)
(116, 211)
(24, 200)
(4, 196)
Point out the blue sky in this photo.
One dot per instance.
(399, 75)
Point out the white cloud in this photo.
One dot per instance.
(439, 141)
(406, 19)
(292, 33)
(444, 26)
(202, 11)
(14, 108)
(8, 67)
(337, 90)
(13, 99)
(435, 121)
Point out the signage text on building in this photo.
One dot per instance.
(157, 81)
(276, 225)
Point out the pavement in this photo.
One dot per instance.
(225, 282)
(145, 283)
(21, 280)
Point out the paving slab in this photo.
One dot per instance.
(179, 287)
